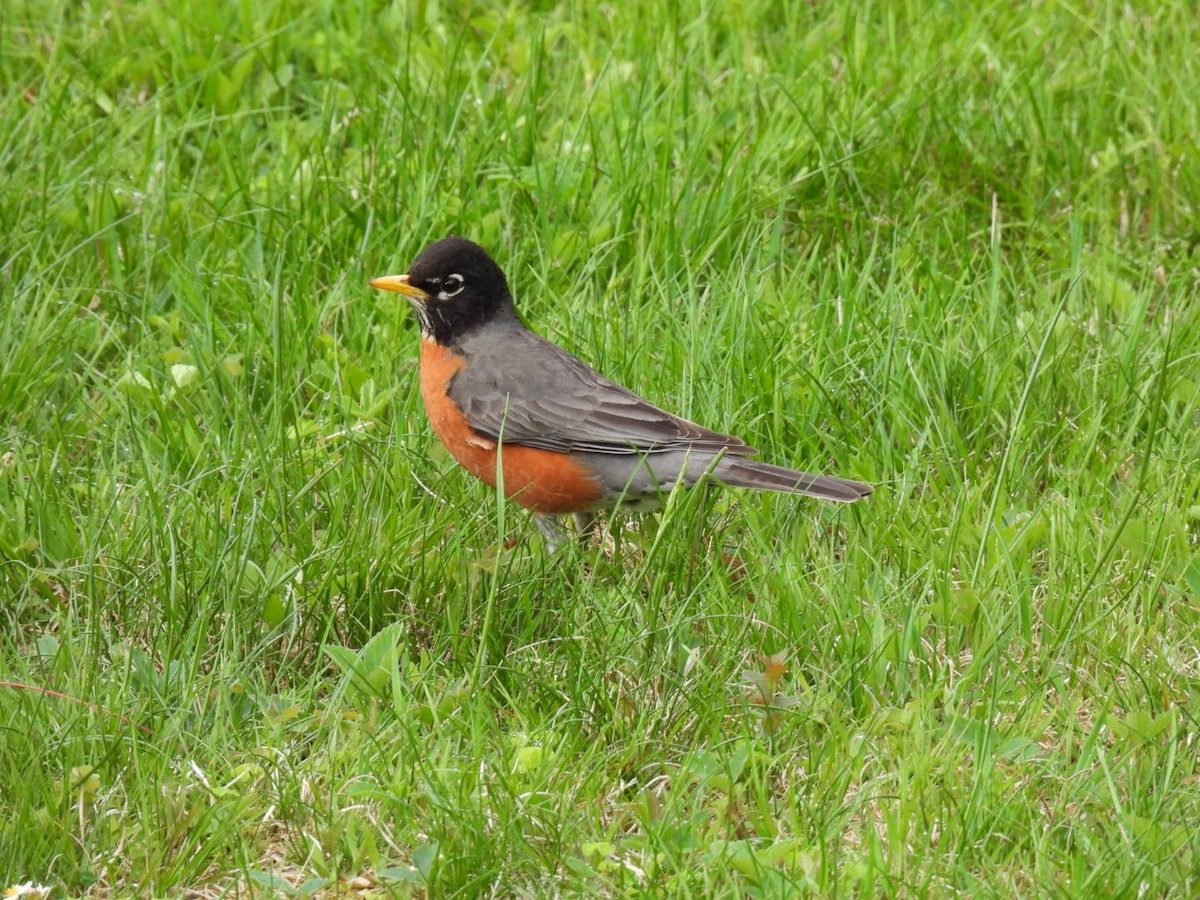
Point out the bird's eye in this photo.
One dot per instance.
(451, 285)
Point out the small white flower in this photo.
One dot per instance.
(28, 889)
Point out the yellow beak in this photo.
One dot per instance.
(399, 284)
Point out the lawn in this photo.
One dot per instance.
(260, 637)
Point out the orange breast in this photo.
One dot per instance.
(540, 480)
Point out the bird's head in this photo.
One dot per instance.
(453, 286)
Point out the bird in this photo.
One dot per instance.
(516, 409)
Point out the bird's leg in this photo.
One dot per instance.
(552, 532)
(584, 523)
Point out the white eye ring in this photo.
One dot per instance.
(451, 285)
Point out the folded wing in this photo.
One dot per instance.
(557, 402)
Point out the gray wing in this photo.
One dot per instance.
(533, 392)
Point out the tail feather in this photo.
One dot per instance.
(750, 473)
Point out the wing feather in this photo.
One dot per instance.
(526, 390)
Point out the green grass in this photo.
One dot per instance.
(952, 251)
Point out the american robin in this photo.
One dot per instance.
(505, 401)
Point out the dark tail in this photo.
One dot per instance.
(761, 476)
